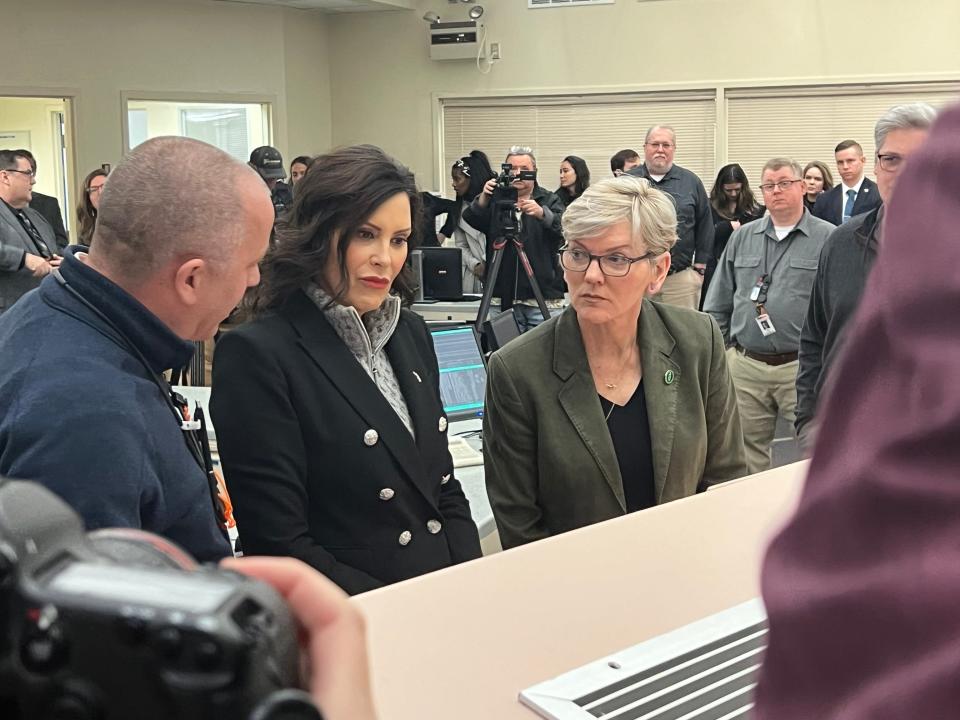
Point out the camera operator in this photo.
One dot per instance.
(539, 221)
(172, 255)
(268, 163)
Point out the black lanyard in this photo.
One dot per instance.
(196, 437)
(764, 281)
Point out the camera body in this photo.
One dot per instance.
(103, 629)
(505, 222)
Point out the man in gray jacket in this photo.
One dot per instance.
(28, 246)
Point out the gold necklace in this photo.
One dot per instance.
(623, 368)
(606, 417)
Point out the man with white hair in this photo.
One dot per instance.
(84, 408)
(848, 257)
(694, 247)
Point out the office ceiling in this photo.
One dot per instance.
(333, 6)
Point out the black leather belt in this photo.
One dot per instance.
(770, 359)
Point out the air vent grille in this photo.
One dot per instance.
(704, 671)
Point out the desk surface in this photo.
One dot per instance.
(463, 642)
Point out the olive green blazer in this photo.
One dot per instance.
(549, 461)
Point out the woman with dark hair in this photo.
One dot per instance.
(817, 179)
(89, 203)
(732, 204)
(469, 174)
(327, 404)
(574, 179)
(298, 168)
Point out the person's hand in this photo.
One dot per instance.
(735, 224)
(55, 261)
(531, 208)
(483, 199)
(334, 634)
(441, 238)
(700, 269)
(37, 265)
(479, 269)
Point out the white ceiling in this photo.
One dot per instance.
(333, 6)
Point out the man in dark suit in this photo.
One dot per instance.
(854, 194)
(28, 247)
(48, 206)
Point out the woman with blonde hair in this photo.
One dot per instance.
(619, 403)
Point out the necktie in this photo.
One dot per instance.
(42, 249)
(848, 208)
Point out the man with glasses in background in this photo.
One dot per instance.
(694, 246)
(28, 245)
(848, 258)
(47, 205)
(759, 297)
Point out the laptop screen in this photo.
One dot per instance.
(463, 378)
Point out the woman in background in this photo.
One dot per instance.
(469, 174)
(89, 203)
(327, 404)
(816, 180)
(298, 168)
(574, 179)
(732, 204)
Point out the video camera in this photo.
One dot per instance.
(121, 624)
(505, 222)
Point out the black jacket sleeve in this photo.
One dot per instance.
(811, 350)
(264, 459)
(477, 217)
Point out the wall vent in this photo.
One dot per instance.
(565, 3)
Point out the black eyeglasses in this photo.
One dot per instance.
(783, 185)
(614, 264)
(28, 173)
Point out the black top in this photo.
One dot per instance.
(630, 431)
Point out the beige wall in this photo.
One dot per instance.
(99, 49)
(34, 115)
(382, 77)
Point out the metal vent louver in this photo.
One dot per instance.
(703, 671)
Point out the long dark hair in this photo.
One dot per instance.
(476, 167)
(342, 190)
(746, 202)
(582, 182)
(86, 212)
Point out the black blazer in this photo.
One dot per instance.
(320, 467)
(49, 207)
(829, 206)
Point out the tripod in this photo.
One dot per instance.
(498, 246)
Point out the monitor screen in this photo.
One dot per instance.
(463, 377)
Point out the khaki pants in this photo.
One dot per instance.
(681, 289)
(763, 392)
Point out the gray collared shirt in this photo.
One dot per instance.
(753, 250)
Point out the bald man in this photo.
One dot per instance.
(83, 406)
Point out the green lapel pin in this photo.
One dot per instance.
(668, 377)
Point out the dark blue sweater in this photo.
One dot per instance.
(80, 413)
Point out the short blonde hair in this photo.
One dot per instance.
(650, 212)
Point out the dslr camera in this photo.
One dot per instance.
(121, 624)
(505, 223)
